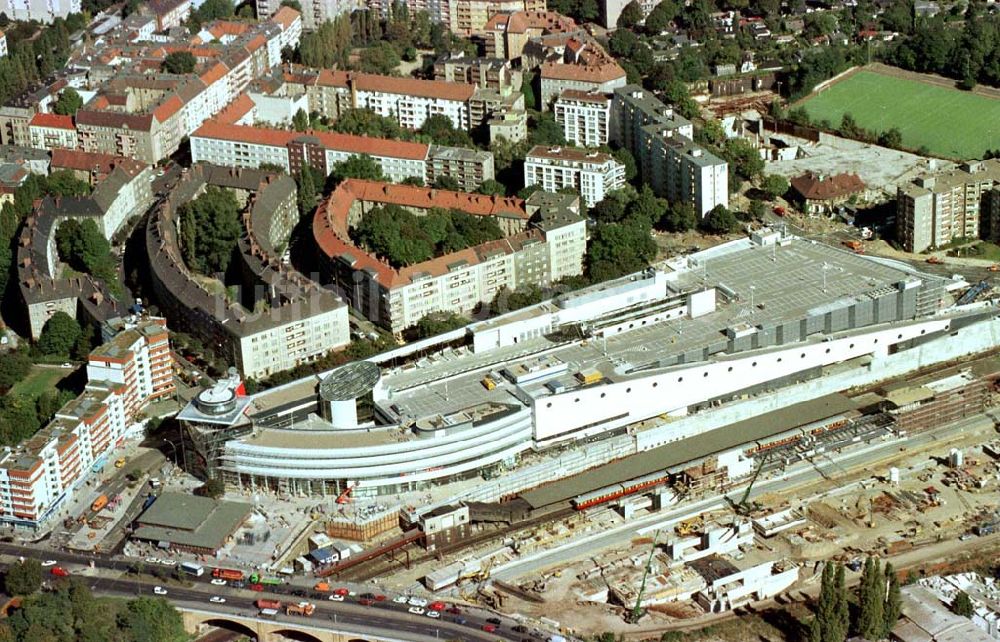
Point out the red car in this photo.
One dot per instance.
(380, 598)
(255, 587)
(59, 571)
(489, 628)
(365, 601)
(437, 606)
(341, 591)
(455, 610)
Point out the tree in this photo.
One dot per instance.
(446, 182)
(360, 166)
(828, 625)
(625, 157)
(491, 187)
(307, 180)
(380, 58)
(294, 4)
(962, 605)
(679, 217)
(14, 366)
(152, 619)
(439, 129)
(661, 16)
(743, 157)
(68, 103)
(892, 137)
(757, 210)
(300, 121)
(630, 16)
(893, 601)
(210, 226)
(179, 62)
(871, 600)
(59, 334)
(545, 130)
(438, 323)
(213, 488)
(23, 578)
(64, 183)
(617, 249)
(85, 249)
(719, 220)
(775, 185)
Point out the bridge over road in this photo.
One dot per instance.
(199, 621)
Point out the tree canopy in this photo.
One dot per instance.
(403, 238)
(59, 334)
(630, 16)
(360, 166)
(719, 220)
(179, 62)
(439, 130)
(84, 248)
(621, 240)
(68, 103)
(23, 578)
(14, 366)
(210, 226)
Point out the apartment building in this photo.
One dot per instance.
(585, 67)
(506, 34)
(243, 146)
(471, 16)
(52, 131)
(41, 10)
(281, 319)
(585, 117)
(168, 13)
(485, 73)
(591, 174)
(546, 241)
(138, 358)
(314, 12)
(936, 208)
(124, 375)
(668, 159)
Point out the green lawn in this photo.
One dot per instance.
(39, 380)
(949, 122)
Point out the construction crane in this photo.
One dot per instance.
(742, 508)
(637, 611)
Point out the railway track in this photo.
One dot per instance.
(368, 572)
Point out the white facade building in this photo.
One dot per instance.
(40, 10)
(592, 174)
(585, 117)
(51, 131)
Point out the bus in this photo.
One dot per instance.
(190, 568)
(268, 613)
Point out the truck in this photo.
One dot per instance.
(856, 246)
(322, 587)
(589, 376)
(227, 574)
(302, 608)
(934, 260)
(268, 604)
(191, 568)
(99, 503)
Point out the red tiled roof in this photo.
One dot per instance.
(235, 110)
(256, 43)
(52, 121)
(168, 108)
(93, 161)
(584, 73)
(330, 226)
(393, 85)
(816, 187)
(522, 21)
(285, 16)
(214, 73)
(331, 140)
(585, 96)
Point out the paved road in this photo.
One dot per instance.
(349, 614)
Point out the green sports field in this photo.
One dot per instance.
(949, 122)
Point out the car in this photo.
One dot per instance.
(400, 599)
(433, 614)
(48, 563)
(489, 628)
(368, 596)
(416, 610)
(437, 606)
(493, 620)
(218, 581)
(238, 584)
(215, 599)
(59, 571)
(120, 462)
(336, 598)
(366, 601)
(416, 601)
(299, 593)
(256, 587)
(459, 620)
(152, 560)
(454, 610)
(341, 592)
(519, 628)
(159, 590)
(168, 562)
(66, 365)
(380, 598)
